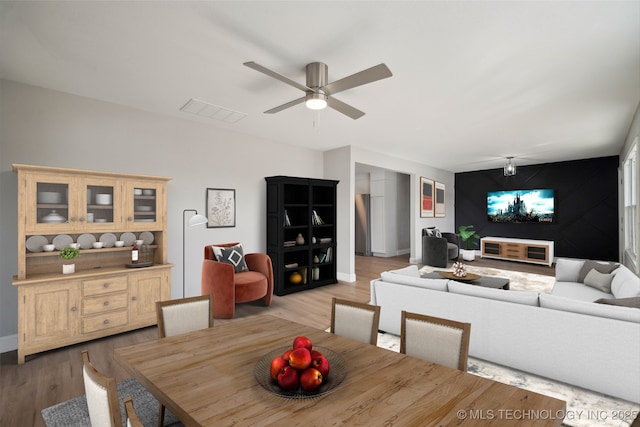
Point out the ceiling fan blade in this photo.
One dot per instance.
(345, 109)
(285, 106)
(364, 77)
(277, 76)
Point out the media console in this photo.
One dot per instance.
(524, 250)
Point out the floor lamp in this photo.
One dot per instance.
(193, 221)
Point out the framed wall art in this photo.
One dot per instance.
(440, 200)
(221, 208)
(426, 197)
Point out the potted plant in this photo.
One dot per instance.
(68, 254)
(468, 235)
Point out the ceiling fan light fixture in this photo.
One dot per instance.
(316, 101)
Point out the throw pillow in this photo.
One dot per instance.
(599, 281)
(601, 267)
(233, 255)
(633, 302)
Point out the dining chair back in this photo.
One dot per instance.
(355, 320)
(437, 340)
(102, 396)
(178, 316)
(132, 417)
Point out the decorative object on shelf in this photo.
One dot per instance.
(440, 208)
(509, 168)
(109, 239)
(459, 269)
(49, 247)
(37, 243)
(68, 254)
(146, 237)
(300, 239)
(221, 208)
(195, 219)
(62, 241)
(54, 217)
(426, 198)
(315, 273)
(316, 260)
(86, 240)
(128, 238)
(295, 278)
(468, 235)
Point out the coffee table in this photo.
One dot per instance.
(472, 279)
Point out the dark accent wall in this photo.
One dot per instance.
(586, 205)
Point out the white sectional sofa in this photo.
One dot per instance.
(564, 335)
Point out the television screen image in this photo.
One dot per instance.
(518, 206)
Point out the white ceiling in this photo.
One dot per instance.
(474, 81)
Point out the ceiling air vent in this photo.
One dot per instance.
(210, 111)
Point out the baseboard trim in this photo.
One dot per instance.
(8, 343)
(346, 277)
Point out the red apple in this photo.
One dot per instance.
(321, 364)
(310, 379)
(286, 354)
(276, 365)
(315, 353)
(288, 378)
(300, 358)
(302, 341)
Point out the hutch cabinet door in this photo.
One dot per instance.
(51, 313)
(100, 202)
(145, 205)
(50, 203)
(145, 288)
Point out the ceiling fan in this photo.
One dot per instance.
(319, 93)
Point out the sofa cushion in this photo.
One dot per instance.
(433, 284)
(599, 266)
(411, 271)
(567, 270)
(625, 284)
(518, 297)
(555, 302)
(578, 291)
(633, 302)
(233, 255)
(598, 280)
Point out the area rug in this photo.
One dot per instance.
(74, 412)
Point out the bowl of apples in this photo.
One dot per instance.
(301, 370)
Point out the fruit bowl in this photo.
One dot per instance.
(333, 380)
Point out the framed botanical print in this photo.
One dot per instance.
(426, 197)
(221, 208)
(440, 208)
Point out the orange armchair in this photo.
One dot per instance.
(227, 287)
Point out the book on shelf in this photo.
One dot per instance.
(316, 218)
(288, 243)
(287, 221)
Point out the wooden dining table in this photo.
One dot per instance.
(206, 378)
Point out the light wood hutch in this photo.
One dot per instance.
(105, 295)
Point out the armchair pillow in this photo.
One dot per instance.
(233, 255)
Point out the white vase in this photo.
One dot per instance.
(468, 254)
(68, 268)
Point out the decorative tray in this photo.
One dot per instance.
(337, 373)
(139, 265)
(466, 278)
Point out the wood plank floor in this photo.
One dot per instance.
(55, 376)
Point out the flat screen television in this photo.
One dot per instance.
(521, 206)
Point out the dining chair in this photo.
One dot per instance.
(102, 396)
(132, 417)
(437, 340)
(179, 316)
(355, 320)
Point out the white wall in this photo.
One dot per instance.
(45, 127)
